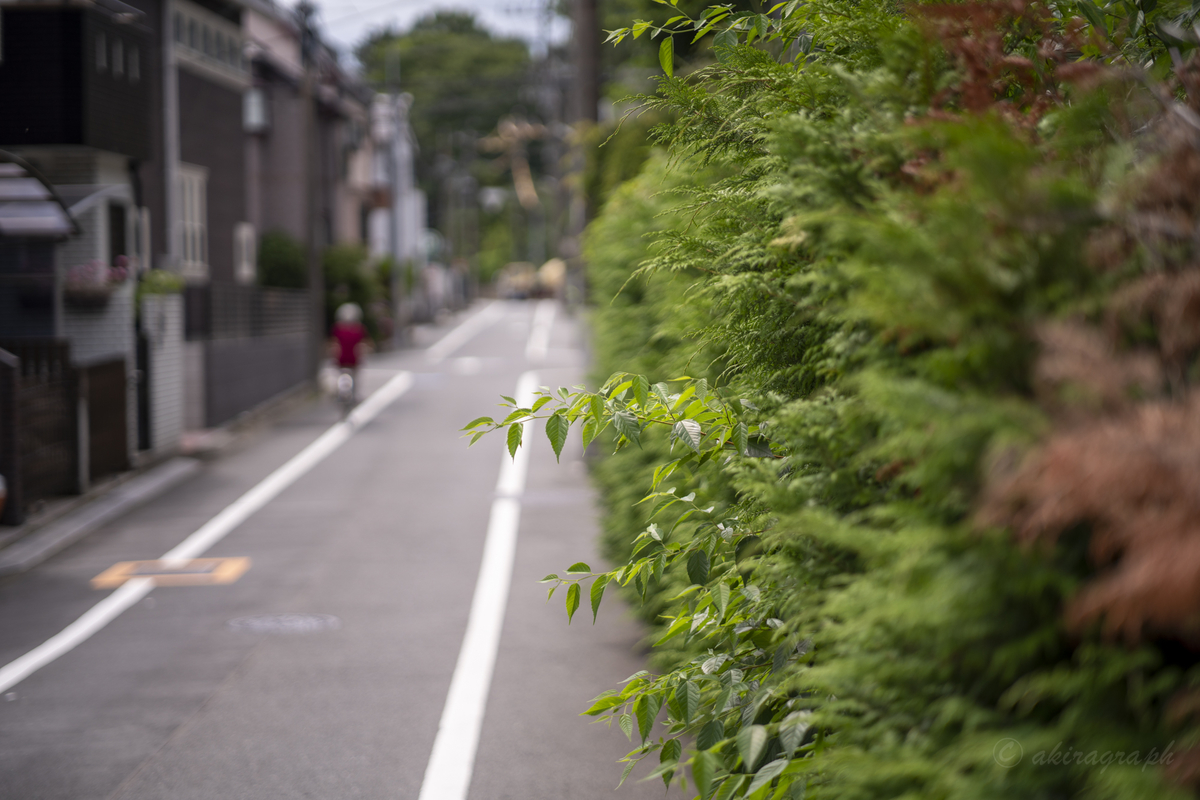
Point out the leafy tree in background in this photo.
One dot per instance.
(462, 77)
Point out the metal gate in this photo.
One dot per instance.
(45, 415)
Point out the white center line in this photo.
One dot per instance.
(470, 328)
(539, 336)
(448, 774)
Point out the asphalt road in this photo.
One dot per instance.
(385, 536)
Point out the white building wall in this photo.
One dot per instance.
(162, 323)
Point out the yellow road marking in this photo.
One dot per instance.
(194, 572)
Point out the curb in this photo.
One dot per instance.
(55, 536)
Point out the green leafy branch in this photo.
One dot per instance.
(732, 27)
(699, 420)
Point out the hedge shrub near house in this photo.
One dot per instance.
(921, 521)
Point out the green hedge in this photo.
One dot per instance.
(904, 355)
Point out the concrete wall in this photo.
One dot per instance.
(194, 415)
(162, 323)
(242, 373)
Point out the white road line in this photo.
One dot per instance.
(209, 534)
(465, 332)
(539, 336)
(448, 774)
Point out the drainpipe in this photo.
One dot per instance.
(170, 79)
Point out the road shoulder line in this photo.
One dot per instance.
(448, 773)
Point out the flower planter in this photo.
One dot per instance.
(86, 297)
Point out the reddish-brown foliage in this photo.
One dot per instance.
(1011, 55)
(1135, 480)
(1078, 371)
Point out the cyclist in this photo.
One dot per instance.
(349, 335)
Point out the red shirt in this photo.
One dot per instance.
(349, 335)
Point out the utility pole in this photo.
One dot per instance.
(316, 282)
(586, 112)
(587, 60)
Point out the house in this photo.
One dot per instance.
(173, 133)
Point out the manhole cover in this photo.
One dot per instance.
(285, 623)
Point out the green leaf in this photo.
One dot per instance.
(541, 401)
(626, 723)
(477, 422)
(580, 567)
(687, 696)
(687, 431)
(645, 716)
(514, 439)
(741, 439)
(751, 744)
(596, 402)
(670, 752)
(597, 593)
(767, 774)
(553, 576)
(677, 627)
(625, 773)
(590, 429)
(697, 567)
(705, 766)
(666, 55)
(721, 599)
(730, 787)
(572, 601)
(641, 391)
(518, 414)
(712, 733)
(604, 703)
(626, 424)
(1094, 16)
(724, 40)
(557, 428)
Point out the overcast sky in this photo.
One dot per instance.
(347, 22)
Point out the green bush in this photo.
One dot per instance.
(904, 366)
(160, 281)
(281, 261)
(351, 278)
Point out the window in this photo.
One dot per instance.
(254, 111)
(208, 40)
(193, 220)
(118, 57)
(135, 65)
(101, 53)
(245, 253)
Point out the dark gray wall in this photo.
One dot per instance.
(210, 135)
(241, 373)
(283, 176)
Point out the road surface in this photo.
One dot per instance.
(325, 669)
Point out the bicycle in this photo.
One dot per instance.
(346, 391)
